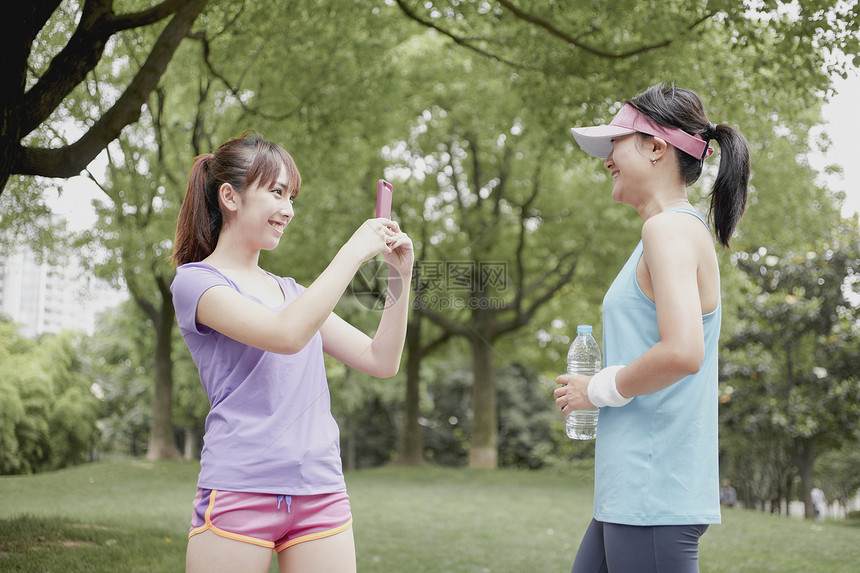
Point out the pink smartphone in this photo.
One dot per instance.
(384, 192)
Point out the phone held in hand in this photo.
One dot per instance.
(384, 192)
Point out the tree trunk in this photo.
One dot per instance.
(805, 458)
(162, 445)
(348, 450)
(412, 443)
(349, 457)
(7, 158)
(485, 427)
(192, 444)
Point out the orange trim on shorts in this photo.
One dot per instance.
(207, 526)
(314, 536)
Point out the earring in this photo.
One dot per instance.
(653, 161)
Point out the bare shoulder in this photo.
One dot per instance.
(674, 228)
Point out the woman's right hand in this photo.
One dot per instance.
(572, 393)
(371, 238)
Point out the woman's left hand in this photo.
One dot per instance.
(572, 393)
(401, 257)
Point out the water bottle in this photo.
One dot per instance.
(583, 358)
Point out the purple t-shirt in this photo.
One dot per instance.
(269, 428)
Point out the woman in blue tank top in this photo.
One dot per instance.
(656, 475)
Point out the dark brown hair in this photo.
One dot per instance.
(242, 162)
(680, 108)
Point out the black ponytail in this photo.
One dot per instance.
(681, 108)
(729, 195)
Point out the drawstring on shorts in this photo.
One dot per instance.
(285, 498)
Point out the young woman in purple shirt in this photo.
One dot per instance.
(271, 476)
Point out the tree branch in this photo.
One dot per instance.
(435, 343)
(504, 172)
(20, 26)
(81, 54)
(549, 274)
(549, 28)
(447, 324)
(552, 30)
(477, 170)
(68, 68)
(140, 299)
(70, 160)
(465, 42)
(523, 317)
(455, 181)
(235, 89)
(119, 22)
(521, 243)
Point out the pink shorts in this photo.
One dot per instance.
(268, 520)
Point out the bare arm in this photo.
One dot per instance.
(378, 356)
(674, 250)
(225, 310)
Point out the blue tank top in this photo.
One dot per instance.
(656, 459)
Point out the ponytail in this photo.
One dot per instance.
(729, 194)
(199, 222)
(239, 162)
(681, 108)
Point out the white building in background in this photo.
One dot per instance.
(49, 297)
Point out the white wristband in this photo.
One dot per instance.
(602, 390)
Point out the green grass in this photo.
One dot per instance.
(133, 516)
(115, 516)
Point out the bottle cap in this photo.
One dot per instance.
(583, 329)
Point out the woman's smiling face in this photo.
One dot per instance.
(265, 212)
(627, 164)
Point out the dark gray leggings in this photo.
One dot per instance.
(614, 548)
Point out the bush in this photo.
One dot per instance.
(47, 411)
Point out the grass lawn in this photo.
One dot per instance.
(133, 516)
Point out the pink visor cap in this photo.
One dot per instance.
(597, 140)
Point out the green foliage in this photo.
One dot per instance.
(366, 411)
(528, 421)
(11, 413)
(190, 403)
(474, 132)
(369, 412)
(531, 431)
(119, 357)
(838, 473)
(448, 423)
(785, 375)
(25, 218)
(48, 412)
(74, 409)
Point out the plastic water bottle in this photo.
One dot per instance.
(583, 358)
